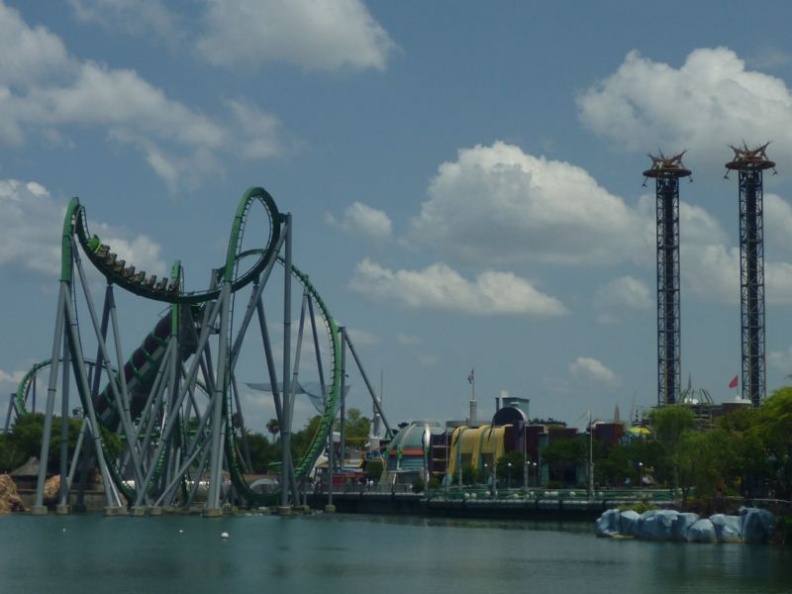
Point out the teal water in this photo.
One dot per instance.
(363, 554)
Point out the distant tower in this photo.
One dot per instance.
(666, 172)
(751, 164)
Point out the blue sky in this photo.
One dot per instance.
(464, 178)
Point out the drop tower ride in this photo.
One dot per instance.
(751, 163)
(666, 172)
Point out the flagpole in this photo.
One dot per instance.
(472, 381)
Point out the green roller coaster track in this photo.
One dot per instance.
(171, 290)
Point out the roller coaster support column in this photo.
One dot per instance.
(218, 400)
(342, 414)
(63, 494)
(38, 505)
(374, 398)
(288, 482)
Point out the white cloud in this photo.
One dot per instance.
(261, 138)
(364, 221)
(427, 360)
(589, 369)
(777, 223)
(44, 91)
(314, 35)
(781, 360)
(441, 288)
(13, 378)
(624, 292)
(31, 229)
(408, 339)
(499, 204)
(361, 337)
(708, 103)
(139, 17)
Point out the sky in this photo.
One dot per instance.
(464, 179)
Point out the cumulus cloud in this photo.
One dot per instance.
(497, 203)
(45, 92)
(624, 292)
(587, 369)
(312, 35)
(710, 266)
(777, 223)
(441, 288)
(364, 221)
(12, 378)
(138, 17)
(32, 224)
(708, 103)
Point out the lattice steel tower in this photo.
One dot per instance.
(666, 172)
(751, 163)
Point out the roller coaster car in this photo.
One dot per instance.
(118, 266)
(139, 277)
(151, 281)
(162, 284)
(173, 287)
(102, 250)
(110, 258)
(128, 272)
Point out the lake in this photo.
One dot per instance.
(329, 553)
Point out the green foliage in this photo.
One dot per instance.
(273, 426)
(25, 437)
(356, 427)
(669, 425)
(302, 439)
(470, 476)
(418, 485)
(563, 455)
(511, 474)
(262, 452)
(374, 468)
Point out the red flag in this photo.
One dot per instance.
(734, 382)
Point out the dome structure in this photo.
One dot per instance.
(408, 449)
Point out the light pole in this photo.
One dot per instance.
(525, 474)
(508, 485)
(536, 474)
(640, 475)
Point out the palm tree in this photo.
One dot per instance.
(273, 426)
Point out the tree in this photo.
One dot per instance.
(262, 452)
(773, 429)
(24, 441)
(510, 468)
(562, 455)
(669, 424)
(356, 427)
(273, 426)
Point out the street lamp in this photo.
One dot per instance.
(508, 485)
(536, 473)
(525, 474)
(640, 475)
